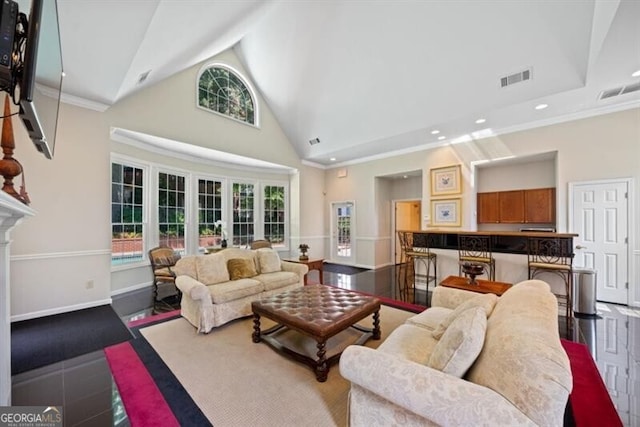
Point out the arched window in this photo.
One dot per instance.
(222, 90)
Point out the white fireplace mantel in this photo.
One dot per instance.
(11, 213)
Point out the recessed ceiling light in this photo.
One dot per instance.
(440, 138)
(541, 106)
(479, 121)
(435, 132)
(636, 74)
(405, 176)
(333, 159)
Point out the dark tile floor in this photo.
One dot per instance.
(84, 387)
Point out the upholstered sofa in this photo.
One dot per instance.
(220, 287)
(469, 360)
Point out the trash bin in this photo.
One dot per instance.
(584, 291)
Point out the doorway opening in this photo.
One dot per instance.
(407, 215)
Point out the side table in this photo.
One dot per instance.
(312, 264)
(482, 286)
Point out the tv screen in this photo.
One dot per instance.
(41, 80)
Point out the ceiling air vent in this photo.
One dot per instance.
(622, 90)
(630, 88)
(142, 77)
(515, 78)
(610, 93)
(314, 141)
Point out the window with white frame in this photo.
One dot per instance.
(243, 210)
(222, 90)
(274, 203)
(191, 211)
(127, 213)
(171, 211)
(210, 197)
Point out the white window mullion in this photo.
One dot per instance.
(258, 212)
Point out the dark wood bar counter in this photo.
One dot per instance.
(508, 242)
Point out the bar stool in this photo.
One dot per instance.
(476, 249)
(553, 255)
(416, 248)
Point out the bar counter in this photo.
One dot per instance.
(508, 242)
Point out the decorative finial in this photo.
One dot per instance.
(9, 167)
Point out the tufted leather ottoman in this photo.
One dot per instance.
(317, 311)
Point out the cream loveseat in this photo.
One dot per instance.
(509, 369)
(220, 287)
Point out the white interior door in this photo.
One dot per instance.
(600, 218)
(342, 227)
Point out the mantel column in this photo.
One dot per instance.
(11, 213)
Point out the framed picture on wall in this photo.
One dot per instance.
(446, 180)
(445, 213)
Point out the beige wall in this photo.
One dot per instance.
(61, 257)
(504, 177)
(601, 147)
(313, 211)
(66, 246)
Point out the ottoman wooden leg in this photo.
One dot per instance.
(376, 326)
(256, 328)
(322, 369)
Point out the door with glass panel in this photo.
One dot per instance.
(342, 227)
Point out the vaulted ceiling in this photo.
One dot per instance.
(370, 77)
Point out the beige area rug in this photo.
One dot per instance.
(236, 382)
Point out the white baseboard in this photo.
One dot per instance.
(131, 288)
(58, 310)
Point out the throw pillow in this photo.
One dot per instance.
(487, 301)
(269, 260)
(241, 268)
(461, 343)
(211, 269)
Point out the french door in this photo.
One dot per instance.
(342, 227)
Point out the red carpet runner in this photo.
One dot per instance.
(144, 404)
(590, 400)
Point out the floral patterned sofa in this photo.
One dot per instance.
(220, 287)
(470, 360)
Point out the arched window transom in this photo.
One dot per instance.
(223, 91)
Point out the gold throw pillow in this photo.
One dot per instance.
(240, 268)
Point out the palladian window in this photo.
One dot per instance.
(223, 91)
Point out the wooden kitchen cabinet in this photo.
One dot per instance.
(488, 208)
(517, 206)
(511, 206)
(540, 205)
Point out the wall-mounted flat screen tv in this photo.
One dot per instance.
(41, 78)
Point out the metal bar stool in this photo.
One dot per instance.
(475, 249)
(553, 255)
(416, 248)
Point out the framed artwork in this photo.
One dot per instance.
(445, 181)
(445, 213)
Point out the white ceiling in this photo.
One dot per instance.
(369, 77)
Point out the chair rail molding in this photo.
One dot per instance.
(11, 213)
